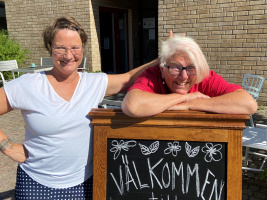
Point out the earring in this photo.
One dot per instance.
(163, 82)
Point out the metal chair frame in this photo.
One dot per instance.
(251, 135)
(46, 61)
(255, 137)
(8, 66)
(253, 85)
(83, 64)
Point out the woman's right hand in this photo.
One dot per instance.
(195, 95)
(188, 100)
(17, 152)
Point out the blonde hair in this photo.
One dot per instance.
(187, 45)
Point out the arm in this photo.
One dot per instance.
(237, 102)
(15, 151)
(138, 103)
(121, 82)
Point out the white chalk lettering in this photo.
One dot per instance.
(137, 175)
(205, 183)
(214, 188)
(120, 188)
(162, 197)
(178, 172)
(166, 166)
(153, 198)
(190, 173)
(152, 174)
(170, 178)
(128, 175)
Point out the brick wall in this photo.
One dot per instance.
(232, 34)
(27, 19)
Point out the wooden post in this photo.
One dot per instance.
(189, 126)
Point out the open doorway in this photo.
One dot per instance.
(148, 30)
(114, 40)
(3, 25)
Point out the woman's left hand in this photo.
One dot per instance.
(181, 106)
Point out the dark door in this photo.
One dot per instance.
(106, 41)
(3, 24)
(114, 40)
(148, 20)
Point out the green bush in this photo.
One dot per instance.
(263, 175)
(10, 49)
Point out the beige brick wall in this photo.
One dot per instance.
(232, 34)
(27, 19)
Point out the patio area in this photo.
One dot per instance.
(12, 124)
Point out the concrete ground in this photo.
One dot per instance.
(12, 124)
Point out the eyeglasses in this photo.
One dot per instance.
(177, 70)
(76, 50)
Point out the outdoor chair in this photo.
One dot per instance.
(7, 66)
(82, 66)
(255, 137)
(112, 101)
(106, 103)
(46, 61)
(253, 85)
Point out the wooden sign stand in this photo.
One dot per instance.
(171, 126)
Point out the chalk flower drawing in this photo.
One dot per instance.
(151, 149)
(173, 148)
(118, 146)
(212, 152)
(191, 152)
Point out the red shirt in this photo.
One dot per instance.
(214, 85)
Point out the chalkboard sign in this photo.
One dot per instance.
(175, 155)
(165, 170)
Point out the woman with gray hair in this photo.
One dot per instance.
(183, 81)
(185, 45)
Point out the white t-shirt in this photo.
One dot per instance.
(58, 133)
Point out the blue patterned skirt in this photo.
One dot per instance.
(27, 188)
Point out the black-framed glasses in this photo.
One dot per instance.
(177, 70)
(61, 50)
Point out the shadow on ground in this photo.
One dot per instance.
(8, 195)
